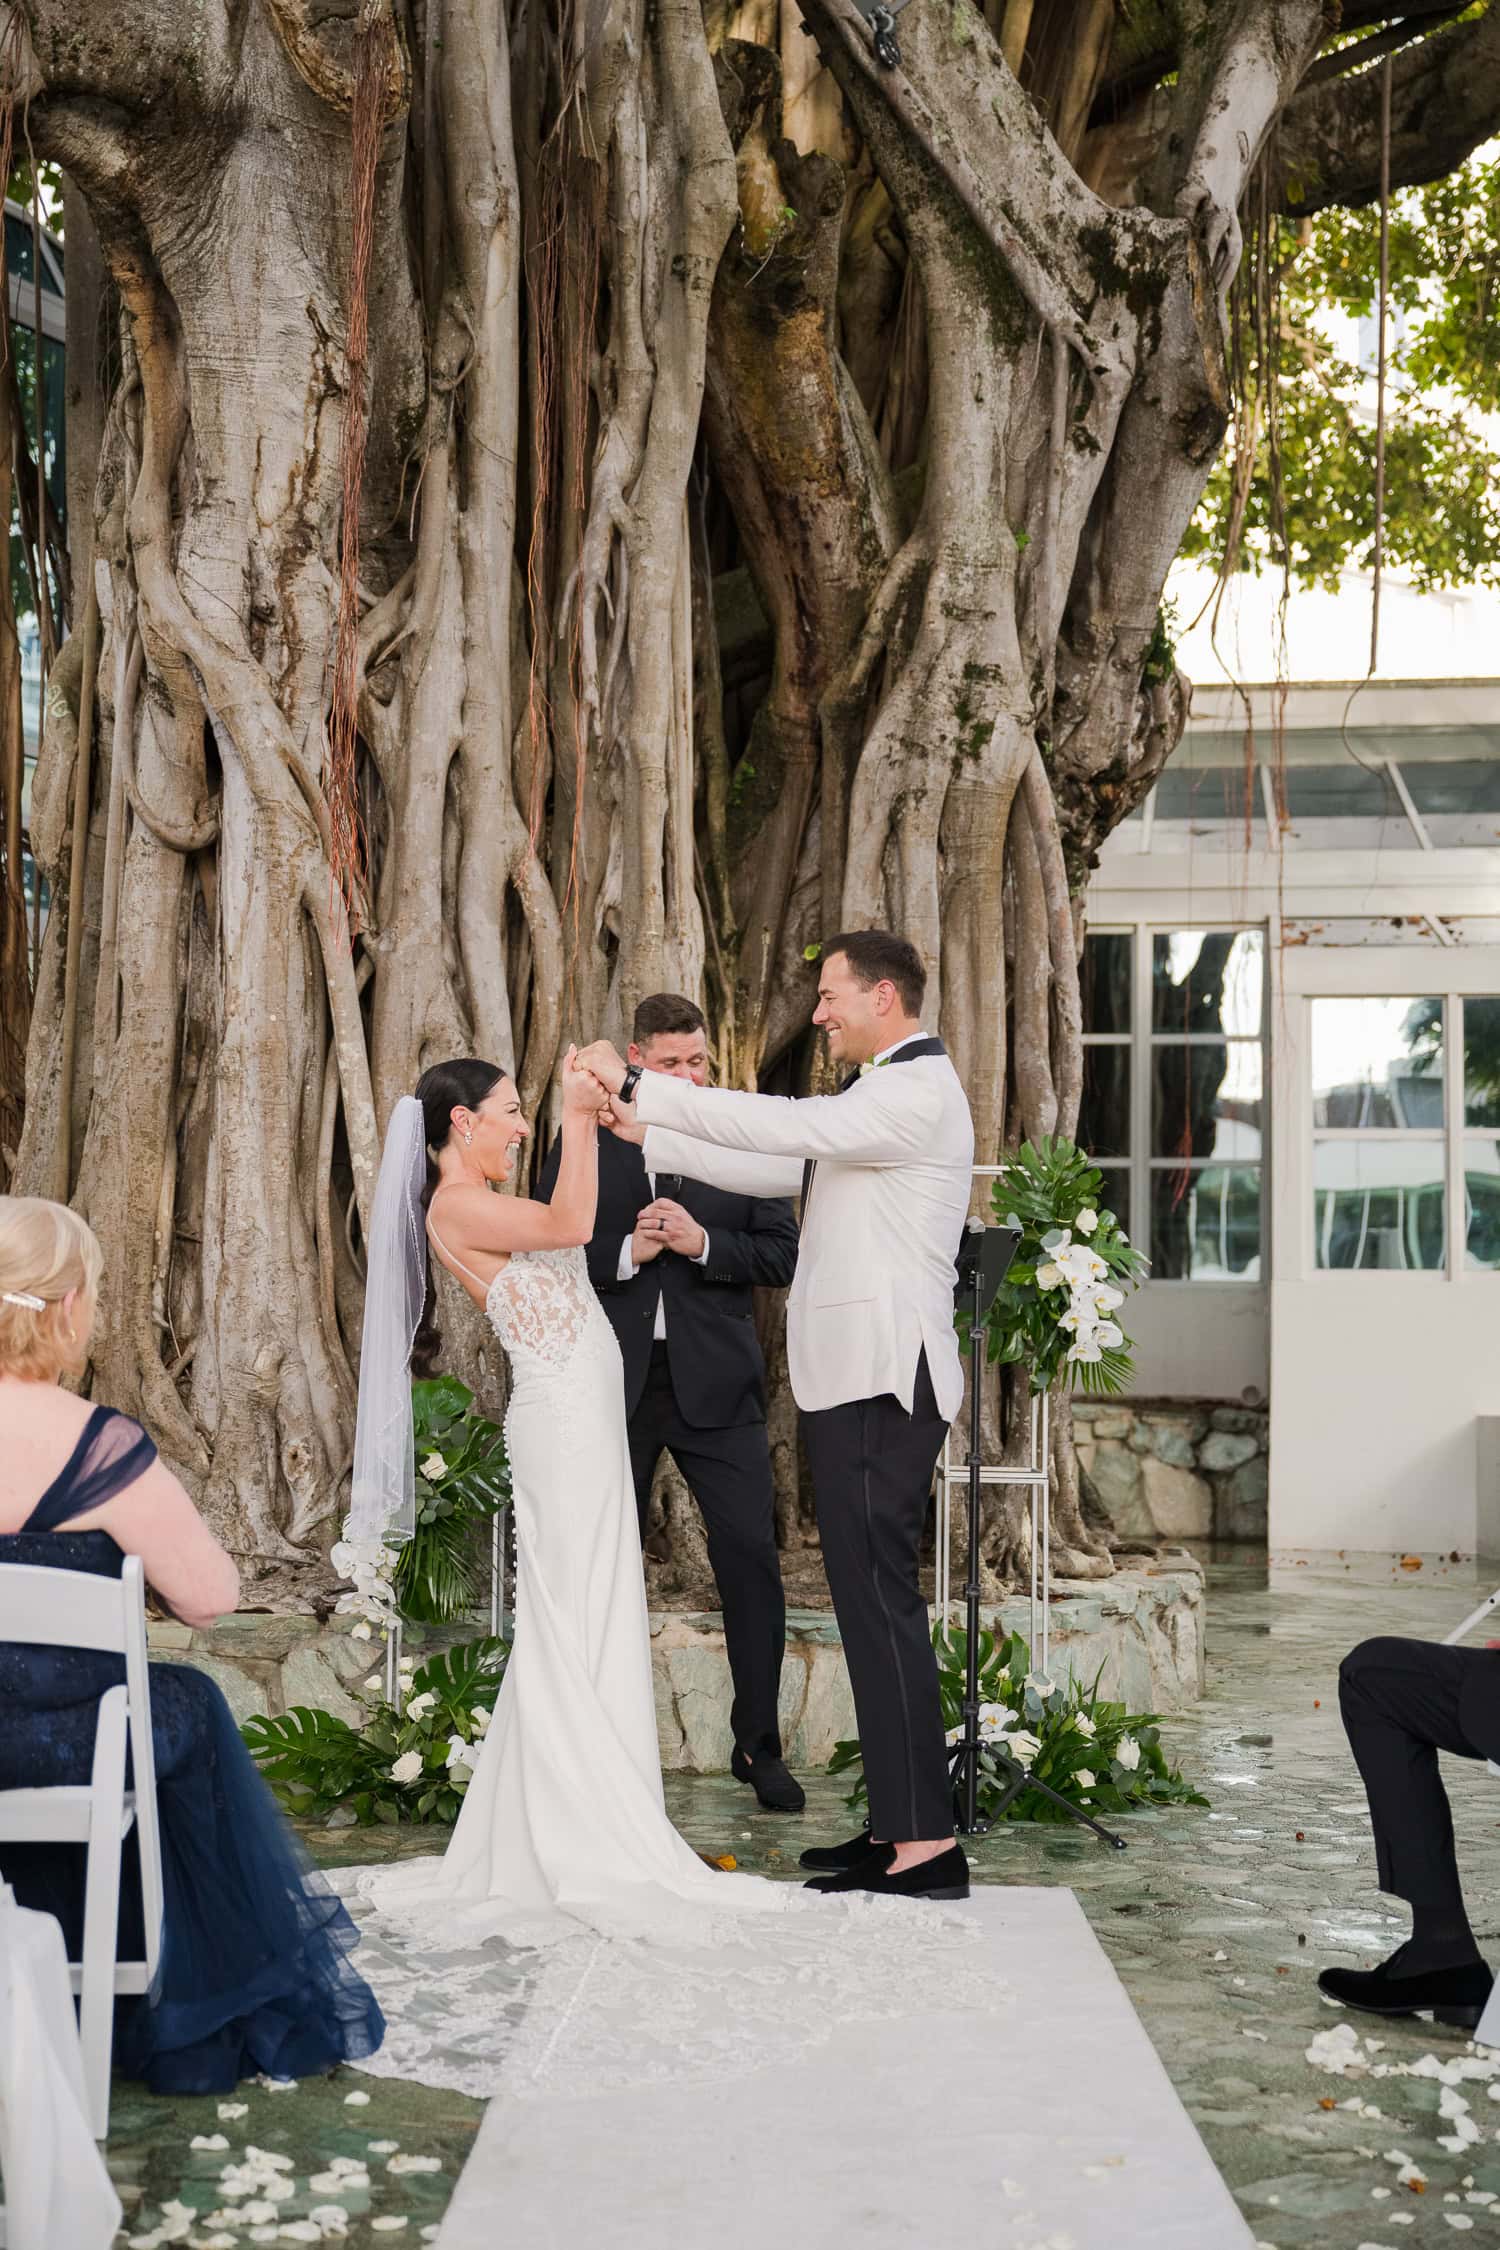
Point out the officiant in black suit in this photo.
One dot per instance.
(675, 1265)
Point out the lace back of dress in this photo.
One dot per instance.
(539, 1304)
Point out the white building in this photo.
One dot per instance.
(1292, 1007)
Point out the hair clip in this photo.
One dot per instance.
(23, 1297)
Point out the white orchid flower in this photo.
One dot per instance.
(953, 1737)
(407, 1767)
(1128, 1752)
(481, 1718)
(460, 1753)
(1105, 1297)
(995, 1719)
(1086, 1351)
(363, 1631)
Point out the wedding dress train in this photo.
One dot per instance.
(569, 1939)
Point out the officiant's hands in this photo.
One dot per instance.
(672, 1227)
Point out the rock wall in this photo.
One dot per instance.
(1169, 1469)
(1145, 1626)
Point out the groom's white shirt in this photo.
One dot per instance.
(874, 1279)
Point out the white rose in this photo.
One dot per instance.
(434, 1468)
(1085, 1779)
(460, 1753)
(1086, 1221)
(1085, 1725)
(481, 1718)
(407, 1767)
(361, 1632)
(1049, 1276)
(1129, 1752)
(420, 1705)
(1022, 1746)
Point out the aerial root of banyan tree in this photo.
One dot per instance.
(771, 468)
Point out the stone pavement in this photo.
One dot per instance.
(1217, 1922)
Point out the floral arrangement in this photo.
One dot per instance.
(1096, 1754)
(412, 1760)
(1070, 1274)
(462, 1480)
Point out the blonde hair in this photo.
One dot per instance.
(46, 1252)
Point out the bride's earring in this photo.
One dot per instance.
(468, 1136)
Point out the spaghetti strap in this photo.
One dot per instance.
(449, 1259)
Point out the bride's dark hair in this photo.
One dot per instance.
(448, 1086)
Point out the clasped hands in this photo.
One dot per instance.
(663, 1225)
(603, 1066)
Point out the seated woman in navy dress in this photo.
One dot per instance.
(254, 1974)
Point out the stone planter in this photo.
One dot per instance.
(1145, 1626)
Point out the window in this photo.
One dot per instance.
(1381, 1123)
(1174, 1095)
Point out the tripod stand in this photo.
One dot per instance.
(983, 1261)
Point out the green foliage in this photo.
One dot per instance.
(463, 1480)
(1442, 512)
(1044, 1312)
(317, 1764)
(1095, 1753)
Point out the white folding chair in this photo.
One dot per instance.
(72, 1609)
(1487, 2030)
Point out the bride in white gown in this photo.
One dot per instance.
(517, 1958)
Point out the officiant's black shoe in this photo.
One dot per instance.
(1455, 1995)
(778, 1790)
(832, 1859)
(947, 1876)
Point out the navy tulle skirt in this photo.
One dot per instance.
(255, 1972)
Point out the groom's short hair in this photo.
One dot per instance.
(662, 1013)
(880, 957)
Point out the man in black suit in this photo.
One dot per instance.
(675, 1265)
(1402, 1702)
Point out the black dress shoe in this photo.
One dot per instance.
(778, 1790)
(832, 1859)
(1455, 1996)
(947, 1876)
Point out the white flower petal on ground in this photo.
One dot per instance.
(407, 1767)
(300, 2230)
(209, 2140)
(404, 2164)
(389, 2223)
(382, 2148)
(356, 2100)
(228, 2111)
(331, 2219)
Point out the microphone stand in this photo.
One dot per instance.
(984, 1259)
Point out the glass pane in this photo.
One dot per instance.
(1458, 798)
(1482, 1062)
(1208, 799)
(1104, 1114)
(1205, 1223)
(1379, 1204)
(1104, 980)
(1205, 1099)
(1341, 792)
(19, 247)
(1377, 1062)
(1482, 1205)
(1207, 981)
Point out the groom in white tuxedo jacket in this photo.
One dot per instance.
(885, 1171)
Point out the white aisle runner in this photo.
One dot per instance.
(1050, 2127)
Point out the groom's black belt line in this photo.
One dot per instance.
(718, 1373)
(913, 1053)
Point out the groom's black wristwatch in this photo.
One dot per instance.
(629, 1082)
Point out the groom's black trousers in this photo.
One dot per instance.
(728, 1472)
(872, 1465)
(1402, 1702)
